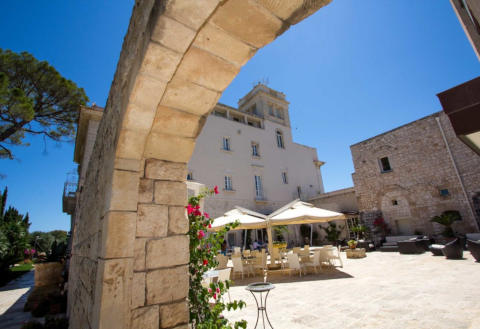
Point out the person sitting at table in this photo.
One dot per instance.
(256, 246)
(224, 248)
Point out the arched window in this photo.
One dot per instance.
(280, 142)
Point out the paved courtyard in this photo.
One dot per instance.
(384, 290)
(12, 299)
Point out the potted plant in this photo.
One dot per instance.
(352, 244)
(447, 218)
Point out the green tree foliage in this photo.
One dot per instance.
(35, 99)
(43, 241)
(280, 231)
(333, 233)
(13, 234)
(447, 219)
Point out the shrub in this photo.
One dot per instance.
(203, 249)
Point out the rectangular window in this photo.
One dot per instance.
(394, 203)
(228, 183)
(280, 143)
(258, 187)
(255, 151)
(190, 176)
(226, 143)
(284, 178)
(279, 113)
(444, 192)
(270, 109)
(385, 165)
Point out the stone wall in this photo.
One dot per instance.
(343, 200)
(128, 266)
(421, 167)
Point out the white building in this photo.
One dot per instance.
(250, 155)
(247, 152)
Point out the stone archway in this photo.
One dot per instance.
(128, 268)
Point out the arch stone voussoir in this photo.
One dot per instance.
(130, 248)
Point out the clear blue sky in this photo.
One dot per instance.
(351, 71)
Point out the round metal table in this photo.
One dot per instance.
(261, 287)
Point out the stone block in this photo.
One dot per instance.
(165, 170)
(139, 254)
(160, 62)
(293, 11)
(174, 314)
(170, 193)
(138, 289)
(172, 34)
(192, 13)
(139, 118)
(167, 285)
(124, 191)
(145, 318)
(145, 191)
(173, 122)
(249, 22)
(167, 252)
(189, 97)
(169, 147)
(177, 220)
(131, 144)
(112, 289)
(47, 274)
(147, 91)
(206, 69)
(152, 220)
(128, 164)
(117, 234)
(222, 44)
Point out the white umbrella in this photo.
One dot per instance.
(299, 212)
(248, 220)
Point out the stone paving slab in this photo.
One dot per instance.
(13, 297)
(383, 290)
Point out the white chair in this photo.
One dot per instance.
(333, 254)
(240, 267)
(237, 251)
(246, 253)
(224, 275)
(297, 250)
(294, 263)
(206, 282)
(260, 262)
(222, 261)
(315, 262)
(275, 255)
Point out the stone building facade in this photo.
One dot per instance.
(414, 172)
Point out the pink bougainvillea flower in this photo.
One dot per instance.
(201, 234)
(218, 290)
(197, 213)
(209, 225)
(215, 189)
(189, 208)
(196, 207)
(205, 262)
(209, 290)
(214, 296)
(206, 215)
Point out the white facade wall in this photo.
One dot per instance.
(210, 163)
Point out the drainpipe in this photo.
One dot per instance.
(457, 173)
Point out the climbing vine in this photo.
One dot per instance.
(207, 304)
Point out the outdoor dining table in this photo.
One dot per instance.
(261, 287)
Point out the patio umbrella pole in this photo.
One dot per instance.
(311, 234)
(245, 240)
(269, 235)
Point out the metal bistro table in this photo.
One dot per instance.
(261, 287)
